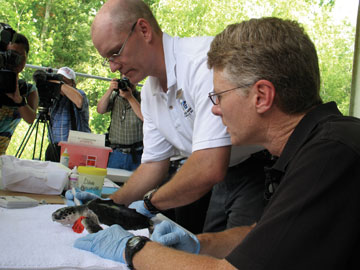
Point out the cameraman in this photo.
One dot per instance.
(23, 102)
(70, 112)
(125, 131)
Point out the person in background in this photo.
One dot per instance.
(125, 131)
(267, 92)
(70, 112)
(178, 121)
(23, 103)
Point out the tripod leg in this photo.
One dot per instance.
(42, 117)
(26, 138)
(42, 140)
(54, 150)
(37, 130)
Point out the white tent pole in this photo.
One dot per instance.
(77, 73)
(354, 108)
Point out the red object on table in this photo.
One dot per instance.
(78, 227)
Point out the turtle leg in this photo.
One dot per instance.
(91, 225)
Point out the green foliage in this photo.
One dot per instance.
(59, 35)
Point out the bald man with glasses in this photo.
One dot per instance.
(178, 121)
(125, 133)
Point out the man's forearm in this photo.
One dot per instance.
(202, 170)
(135, 105)
(155, 256)
(146, 177)
(72, 94)
(104, 102)
(220, 244)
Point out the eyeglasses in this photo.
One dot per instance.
(215, 97)
(107, 61)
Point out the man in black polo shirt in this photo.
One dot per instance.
(266, 90)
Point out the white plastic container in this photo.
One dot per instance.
(91, 179)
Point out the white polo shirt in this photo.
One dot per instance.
(180, 121)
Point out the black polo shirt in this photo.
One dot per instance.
(312, 221)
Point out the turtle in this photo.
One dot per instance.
(105, 212)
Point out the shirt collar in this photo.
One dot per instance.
(170, 63)
(302, 132)
(296, 140)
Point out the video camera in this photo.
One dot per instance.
(8, 60)
(49, 92)
(123, 84)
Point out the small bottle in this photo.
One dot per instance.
(73, 178)
(64, 159)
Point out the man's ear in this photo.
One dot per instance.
(145, 29)
(265, 95)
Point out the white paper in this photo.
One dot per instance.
(86, 138)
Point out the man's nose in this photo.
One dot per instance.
(114, 66)
(216, 110)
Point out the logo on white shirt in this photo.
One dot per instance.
(186, 108)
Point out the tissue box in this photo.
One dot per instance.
(86, 155)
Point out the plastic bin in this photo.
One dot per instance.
(86, 155)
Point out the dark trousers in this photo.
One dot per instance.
(239, 199)
(191, 216)
(53, 153)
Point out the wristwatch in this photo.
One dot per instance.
(22, 103)
(147, 200)
(134, 245)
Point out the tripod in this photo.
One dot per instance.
(44, 118)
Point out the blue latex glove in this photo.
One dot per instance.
(140, 208)
(109, 243)
(82, 196)
(169, 234)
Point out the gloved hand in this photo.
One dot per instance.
(140, 208)
(169, 234)
(109, 243)
(82, 196)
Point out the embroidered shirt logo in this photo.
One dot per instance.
(186, 108)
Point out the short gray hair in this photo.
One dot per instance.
(271, 49)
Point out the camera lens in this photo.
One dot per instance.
(123, 84)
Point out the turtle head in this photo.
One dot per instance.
(68, 215)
